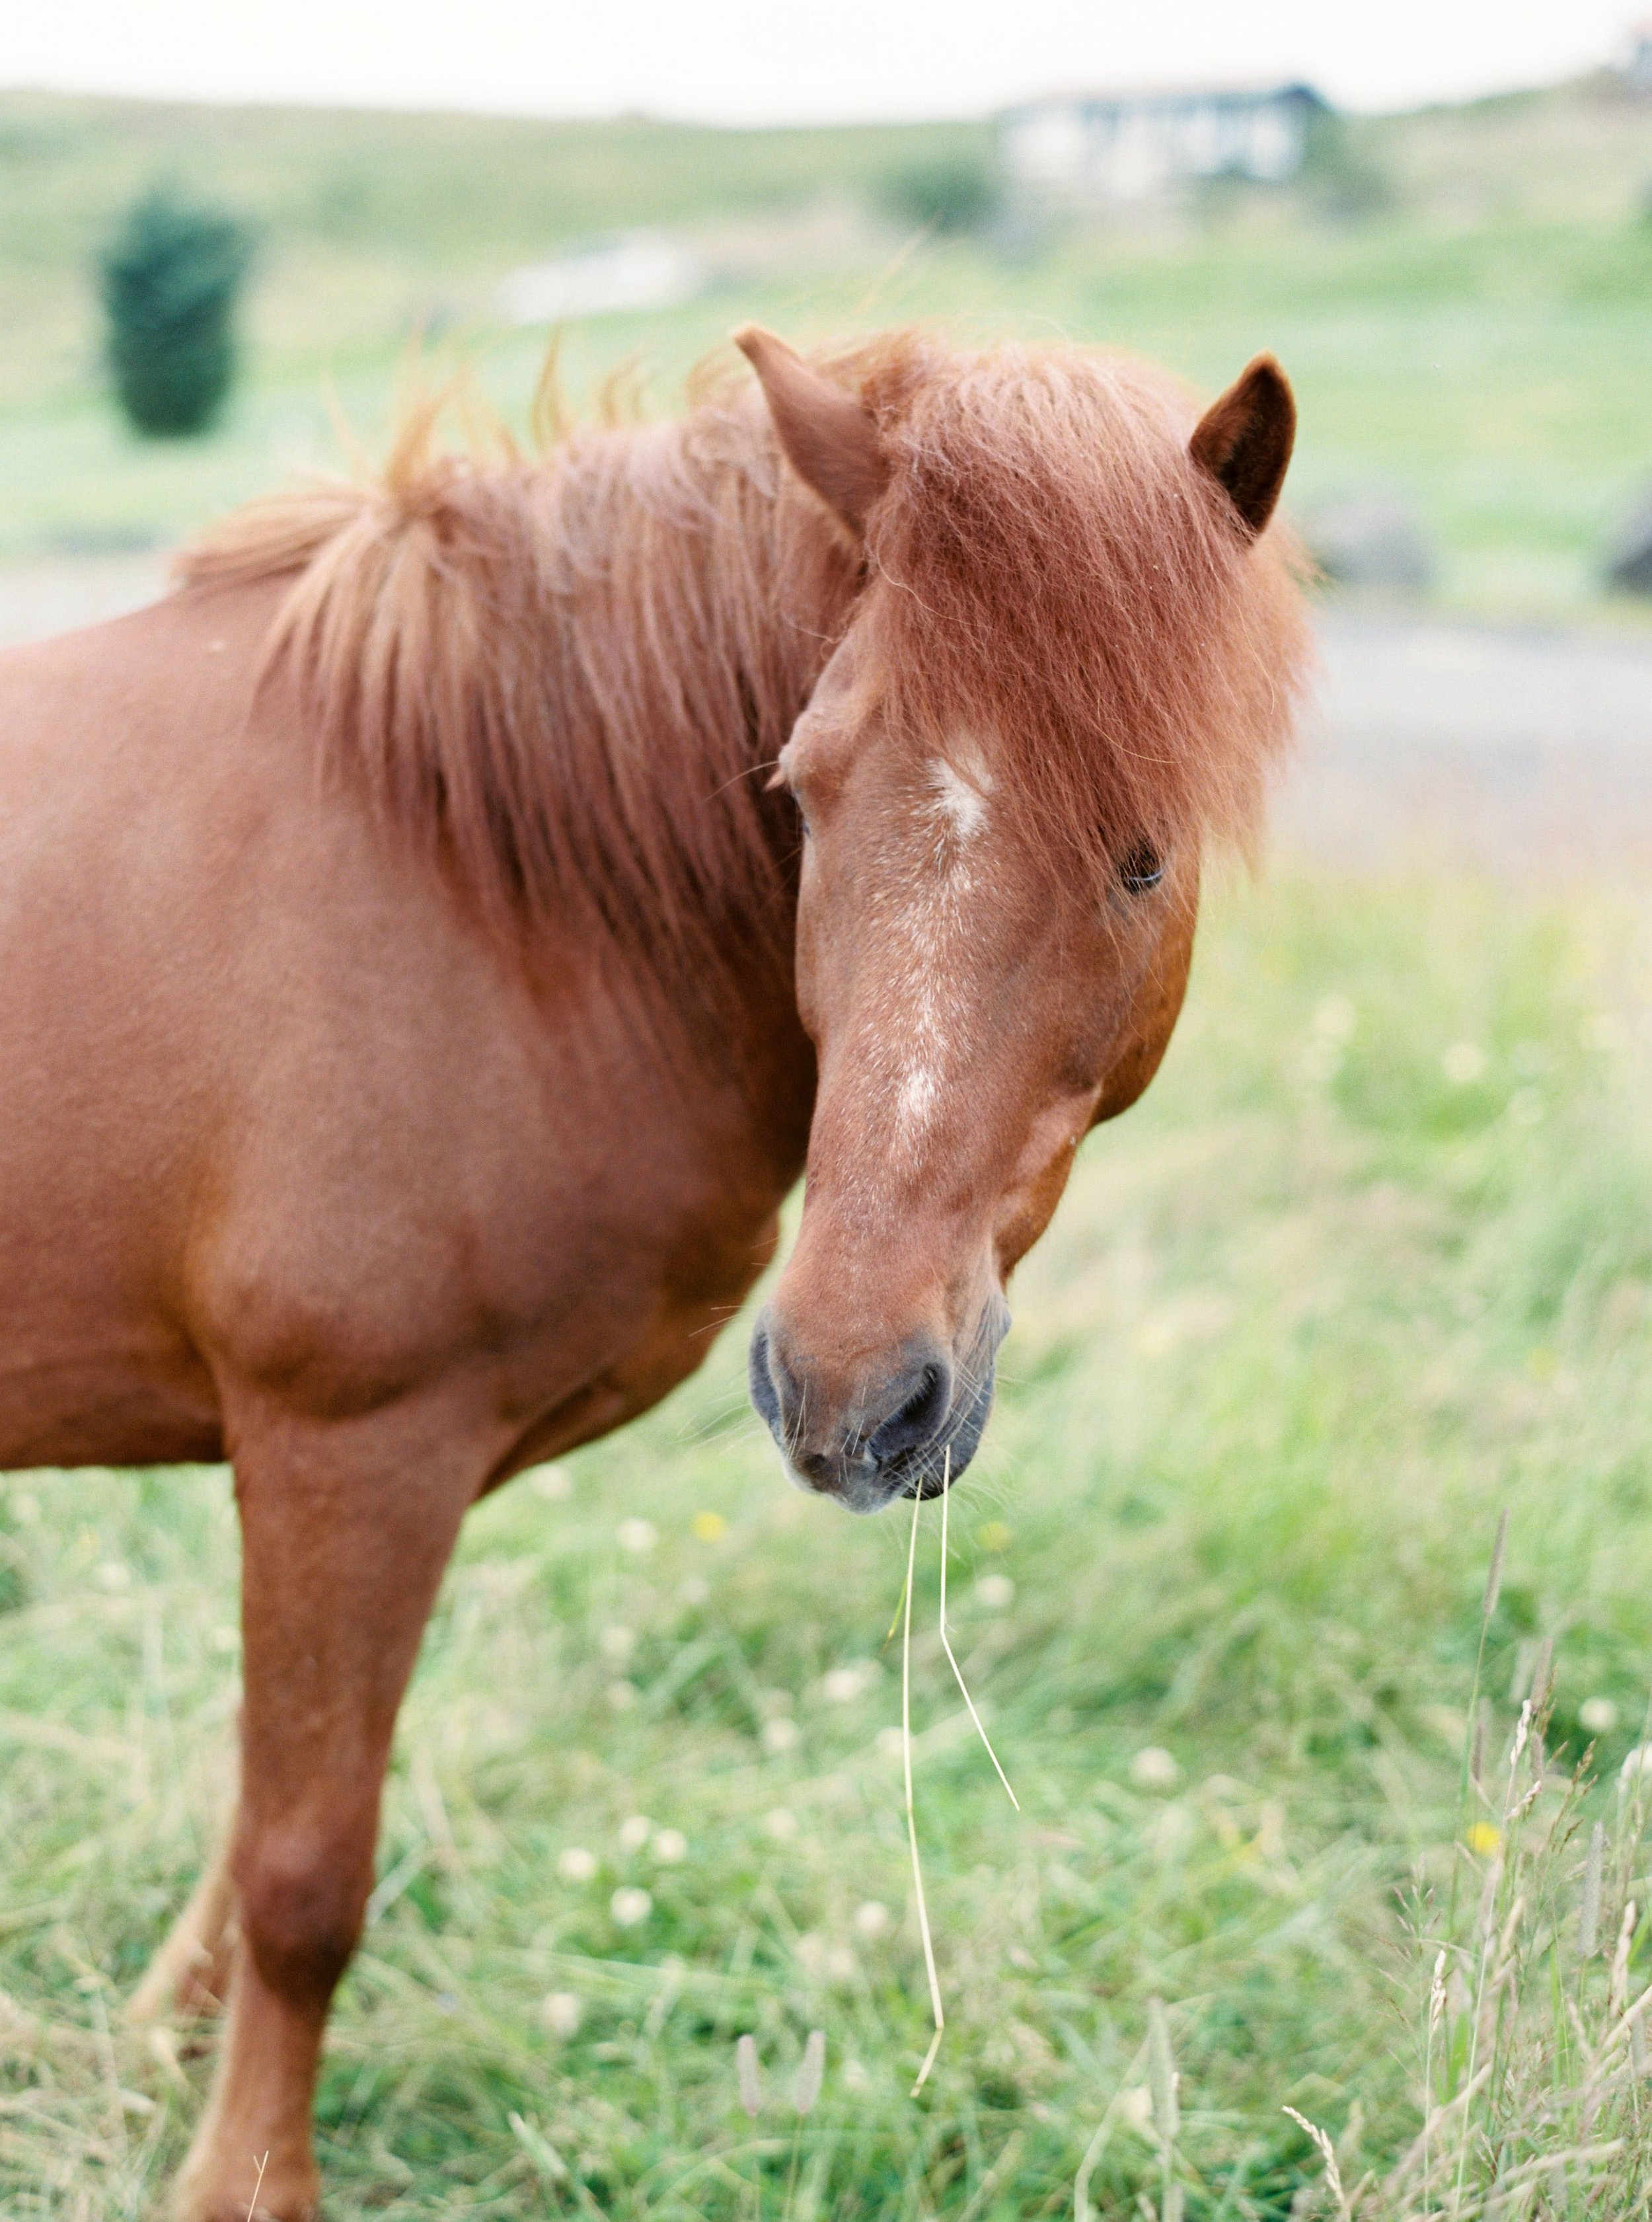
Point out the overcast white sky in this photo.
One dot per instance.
(763, 61)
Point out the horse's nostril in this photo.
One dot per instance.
(918, 1419)
(763, 1393)
(924, 1399)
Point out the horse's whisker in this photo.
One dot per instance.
(945, 1645)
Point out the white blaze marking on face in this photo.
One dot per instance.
(962, 802)
(918, 1094)
(929, 926)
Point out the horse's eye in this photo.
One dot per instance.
(1142, 869)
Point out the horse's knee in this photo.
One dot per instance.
(303, 1890)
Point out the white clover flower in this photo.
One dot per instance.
(780, 1734)
(871, 1920)
(843, 1685)
(1335, 1019)
(1463, 1064)
(634, 1831)
(1137, 2107)
(554, 1484)
(811, 1949)
(560, 2012)
(639, 1536)
(1598, 1715)
(575, 1864)
(618, 1643)
(1153, 1768)
(781, 1825)
(995, 1592)
(630, 1905)
(670, 1848)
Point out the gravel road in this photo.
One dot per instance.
(40, 598)
(1513, 750)
(1506, 749)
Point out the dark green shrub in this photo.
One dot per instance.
(171, 279)
(1338, 170)
(955, 193)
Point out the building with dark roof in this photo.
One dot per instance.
(1115, 147)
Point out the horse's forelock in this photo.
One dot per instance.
(1059, 575)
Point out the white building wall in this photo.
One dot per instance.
(1124, 150)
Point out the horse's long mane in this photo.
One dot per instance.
(560, 676)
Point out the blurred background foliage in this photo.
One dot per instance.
(1463, 296)
(957, 193)
(171, 279)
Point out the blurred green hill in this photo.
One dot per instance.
(1471, 329)
(373, 222)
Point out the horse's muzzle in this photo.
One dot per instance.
(907, 1434)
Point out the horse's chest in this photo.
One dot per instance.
(644, 1270)
(577, 1246)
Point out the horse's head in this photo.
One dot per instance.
(1070, 660)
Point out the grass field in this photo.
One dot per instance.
(1371, 1263)
(1372, 1260)
(1477, 342)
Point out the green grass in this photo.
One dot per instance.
(1479, 343)
(1371, 1260)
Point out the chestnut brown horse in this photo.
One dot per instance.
(433, 940)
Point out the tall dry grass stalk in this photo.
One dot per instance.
(1534, 2000)
(1535, 2099)
(1165, 2086)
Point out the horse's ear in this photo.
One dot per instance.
(830, 441)
(1244, 440)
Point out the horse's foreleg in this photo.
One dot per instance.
(189, 1974)
(346, 1529)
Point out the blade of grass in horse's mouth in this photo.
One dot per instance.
(906, 1751)
(912, 1817)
